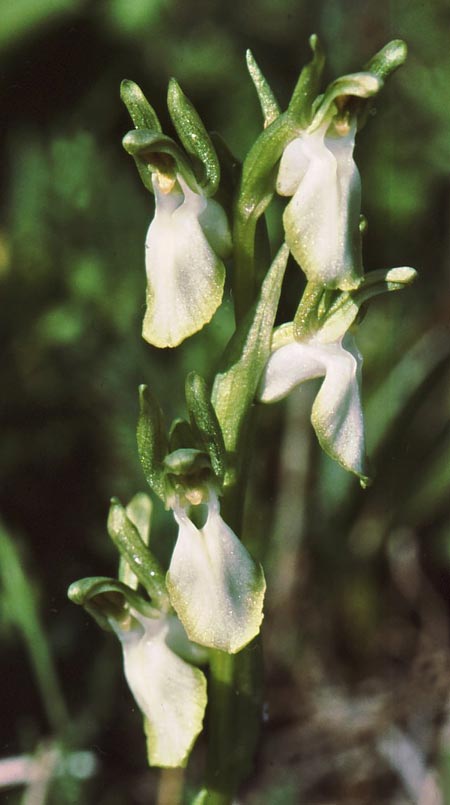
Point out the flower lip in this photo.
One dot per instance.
(214, 585)
(337, 412)
(185, 276)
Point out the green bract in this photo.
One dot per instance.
(244, 359)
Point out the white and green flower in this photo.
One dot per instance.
(215, 587)
(170, 692)
(159, 664)
(337, 415)
(185, 242)
(318, 170)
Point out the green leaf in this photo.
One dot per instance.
(19, 602)
(141, 112)
(152, 441)
(269, 104)
(244, 360)
(194, 136)
(128, 541)
(205, 423)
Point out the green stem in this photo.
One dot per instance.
(235, 684)
(235, 696)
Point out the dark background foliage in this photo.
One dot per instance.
(356, 632)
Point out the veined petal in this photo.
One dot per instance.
(322, 220)
(337, 413)
(185, 277)
(170, 692)
(215, 587)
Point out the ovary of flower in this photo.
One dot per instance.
(337, 414)
(215, 587)
(322, 221)
(185, 275)
(170, 692)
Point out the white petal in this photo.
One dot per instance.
(214, 585)
(185, 277)
(286, 368)
(337, 413)
(322, 220)
(293, 166)
(215, 226)
(170, 692)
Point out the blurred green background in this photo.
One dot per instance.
(359, 582)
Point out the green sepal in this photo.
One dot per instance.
(141, 112)
(186, 461)
(269, 104)
(155, 152)
(130, 545)
(205, 423)
(385, 62)
(139, 511)
(181, 435)
(151, 440)
(388, 59)
(246, 355)
(194, 136)
(356, 85)
(308, 85)
(105, 599)
(346, 307)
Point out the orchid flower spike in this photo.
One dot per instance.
(318, 170)
(337, 415)
(215, 587)
(185, 275)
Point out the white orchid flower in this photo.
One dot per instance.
(322, 220)
(337, 414)
(215, 587)
(185, 275)
(317, 168)
(170, 692)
